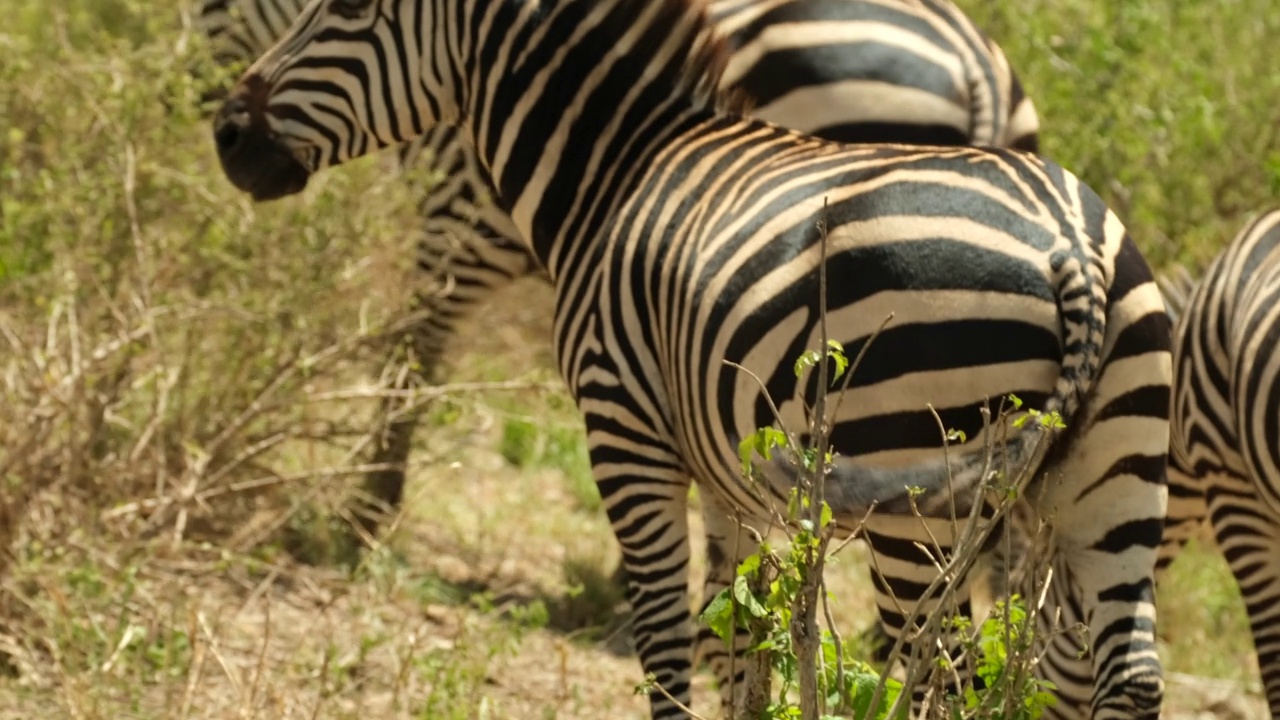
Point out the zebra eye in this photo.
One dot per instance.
(351, 9)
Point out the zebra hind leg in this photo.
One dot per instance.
(728, 542)
(1107, 501)
(647, 503)
(906, 552)
(1186, 516)
(1248, 533)
(1103, 491)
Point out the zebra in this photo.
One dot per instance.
(849, 70)
(884, 71)
(1225, 449)
(679, 236)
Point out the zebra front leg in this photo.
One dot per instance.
(1248, 533)
(383, 488)
(460, 270)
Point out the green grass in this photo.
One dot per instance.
(172, 473)
(528, 443)
(1202, 618)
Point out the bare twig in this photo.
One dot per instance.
(199, 652)
(246, 709)
(683, 708)
(323, 693)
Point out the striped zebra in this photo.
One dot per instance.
(1226, 415)
(850, 70)
(679, 235)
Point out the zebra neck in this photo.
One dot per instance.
(569, 100)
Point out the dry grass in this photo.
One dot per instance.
(447, 622)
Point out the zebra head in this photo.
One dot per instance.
(349, 77)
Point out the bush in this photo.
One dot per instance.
(1168, 110)
(161, 334)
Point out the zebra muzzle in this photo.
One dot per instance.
(252, 156)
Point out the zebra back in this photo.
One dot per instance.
(883, 71)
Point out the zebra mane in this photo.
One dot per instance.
(708, 54)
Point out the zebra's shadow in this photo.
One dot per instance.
(588, 606)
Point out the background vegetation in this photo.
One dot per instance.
(185, 382)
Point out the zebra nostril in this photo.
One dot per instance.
(227, 136)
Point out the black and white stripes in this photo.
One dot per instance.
(1226, 424)
(875, 71)
(678, 235)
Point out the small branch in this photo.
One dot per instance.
(839, 642)
(683, 708)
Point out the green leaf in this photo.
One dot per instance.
(646, 687)
(824, 519)
(862, 682)
(807, 360)
(810, 459)
(745, 449)
(761, 442)
(1052, 420)
(836, 353)
(746, 599)
(719, 615)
